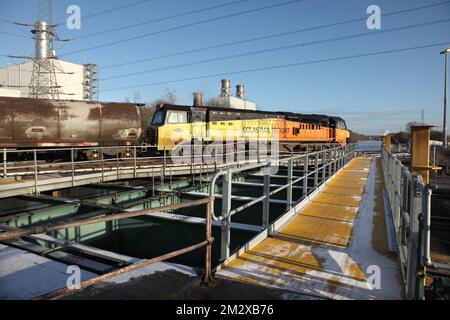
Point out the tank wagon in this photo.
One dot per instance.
(27, 123)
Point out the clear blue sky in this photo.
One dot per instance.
(372, 93)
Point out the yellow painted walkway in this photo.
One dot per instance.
(310, 254)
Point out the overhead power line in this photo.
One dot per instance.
(7, 21)
(282, 66)
(110, 10)
(270, 36)
(184, 26)
(358, 35)
(15, 35)
(160, 19)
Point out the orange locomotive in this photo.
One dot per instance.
(173, 124)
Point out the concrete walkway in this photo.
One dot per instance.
(332, 247)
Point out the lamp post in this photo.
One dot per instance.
(445, 53)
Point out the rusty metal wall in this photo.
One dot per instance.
(26, 122)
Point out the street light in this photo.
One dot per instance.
(445, 53)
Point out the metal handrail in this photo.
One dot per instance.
(267, 164)
(207, 243)
(339, 156)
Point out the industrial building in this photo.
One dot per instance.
(76, 82)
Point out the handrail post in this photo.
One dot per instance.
(324, 161)
(72, 166)
(103, 163)
(35, 172)
(334, 160)
(316, 170)
(226, 222)
(289, 182)
(5, 169)
(305, 174)
(266, 193)
(135, 161)
(117, 163)
(208, 248)
(164, 161)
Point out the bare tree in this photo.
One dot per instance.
(411, 124)
(171, 96)
(137, 96)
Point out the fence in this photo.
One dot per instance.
(409, 201)
(118, 162)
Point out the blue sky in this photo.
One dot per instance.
(373, 93)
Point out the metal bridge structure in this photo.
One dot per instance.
(314, 224)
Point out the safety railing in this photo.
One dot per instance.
(207, 243)
(405, 195)
(324, 164)
(132, 160)
(409, 201)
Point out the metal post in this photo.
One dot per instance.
(5, 168)
(35, 172)
(413, 245)
(164, 161)
(208, 248)
(305, 174)
(72, 164)
(334, 160)
(420, 152)
(316, 170)
(445, 143)
(103, 164)
(289, 182)
(226, 222)
(135, 161)
(266, 193)
(117, 163)
(324, 161)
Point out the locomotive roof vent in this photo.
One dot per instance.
(225, 91)
(240, 92)
(198, 99)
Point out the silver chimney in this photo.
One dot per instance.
(240, 92)
(198, 99)
(225, 91)
(44, 40)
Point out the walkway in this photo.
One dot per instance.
(331, 248)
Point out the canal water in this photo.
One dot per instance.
(147, 237)
(368, 145)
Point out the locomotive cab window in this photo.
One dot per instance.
(158, 118)
(177, 117)
(198, 116)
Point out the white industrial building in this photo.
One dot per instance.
(46, 76)
(226, 100)
(76, 81)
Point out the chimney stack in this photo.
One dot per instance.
(198, 99)
(225, 91)
(240, 91)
